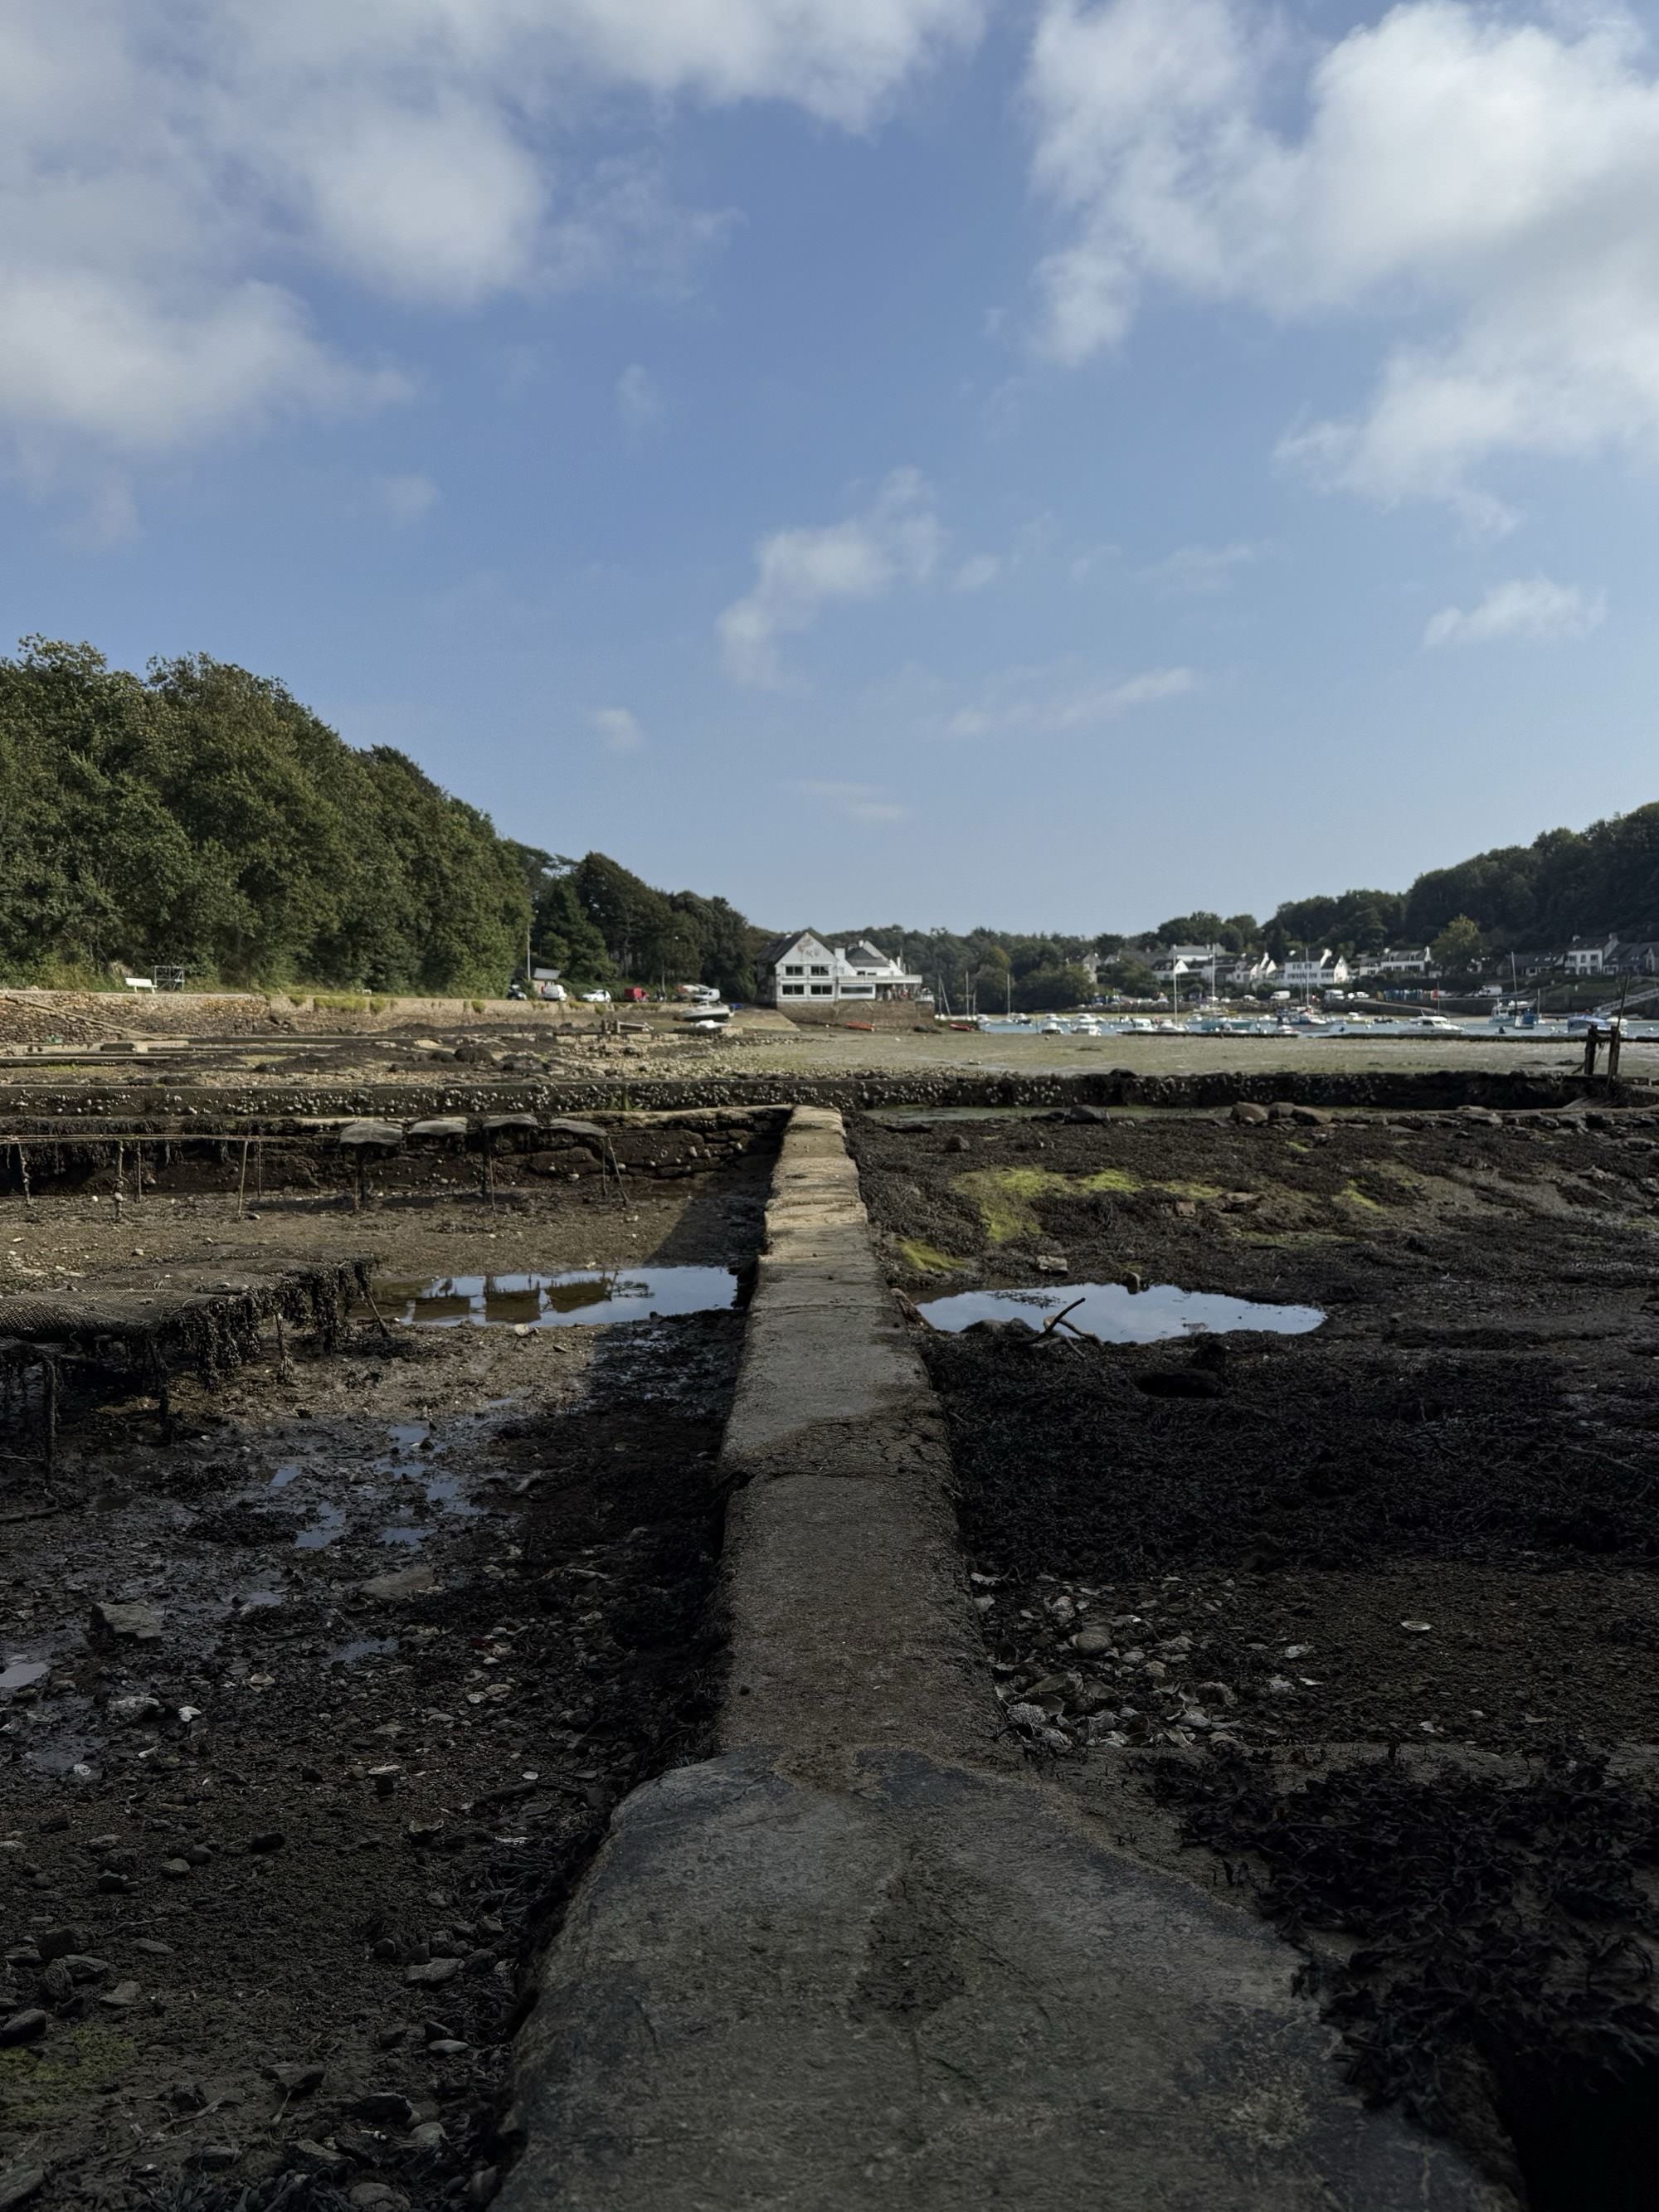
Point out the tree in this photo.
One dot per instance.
(1047, 989)
(1457, 950)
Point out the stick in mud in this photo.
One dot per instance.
(23, 1169)
(241, 1184)
(281, 1350)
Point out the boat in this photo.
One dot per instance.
(1051, 1028)
(1086, 1025)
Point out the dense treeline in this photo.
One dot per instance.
(200, 816)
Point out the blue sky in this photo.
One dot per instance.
(1048, 464)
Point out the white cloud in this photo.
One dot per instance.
(179, 183)
(619, 730)
(857, 802)
(407, 498)
(975, 575)
(1055, 701)
(897, 540)
(1480, 182)
(639, 406)
(1529, 607)
(1199, 568)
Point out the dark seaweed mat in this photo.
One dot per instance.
(1501, 1924)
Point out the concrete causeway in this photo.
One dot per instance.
(864, 1956)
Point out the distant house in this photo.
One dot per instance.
(1246, 971)
(1585, 958)
(1188, 959)
(802, 968)
(1324, 972)
(1634, 956)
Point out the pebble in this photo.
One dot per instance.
(482, 2186)
(385, 2108)
(127, 1624)
(26, 2026)
(1416, 1628)
(296, 2081)
(376, 2197)
(214, 2158)
(269, 1839)
(58, 1943)
(175, 1870)
(434, 1974)
(309, 2157)
(430, 2136)
(122, 1996)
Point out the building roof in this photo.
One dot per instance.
(775, 947)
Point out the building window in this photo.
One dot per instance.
(820, 971)
(794, 971)
(822, 991)
(796, 987)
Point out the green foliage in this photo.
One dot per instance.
(1458, 948)
(1198, 928)
(202, 815)
(1045, 990)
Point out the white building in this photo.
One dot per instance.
(803, 968)
(1588, 959)
(1410, 960)
(1323, 973)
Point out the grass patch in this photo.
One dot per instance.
(1291, 1237)
(1355, 1196)
(39, 2086)
(1005, 1196)
(925, 1259)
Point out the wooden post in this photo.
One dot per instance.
(49, 1413)
(1591, 1039)
(23, 1167)
(241, 1183)
(281, 1350)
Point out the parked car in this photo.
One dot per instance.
(515, 991)
(596, 997)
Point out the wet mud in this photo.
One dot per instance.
(1224, 1578)
(311, 1717)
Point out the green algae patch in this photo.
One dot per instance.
(42, 2083)
(1107, 1179)
(1204, 1192)
(925, 1259)
(1355, 1196)
(1004, 1196)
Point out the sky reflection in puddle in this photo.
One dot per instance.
(563, 1301)
(1118, 1315)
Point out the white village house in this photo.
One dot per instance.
(1322, 974)
(803, 968)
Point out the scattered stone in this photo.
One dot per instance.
(1311, 1117)
(409, 1581)
(1091, 1640)
(122, 1997)
(154, 1945)
(175, 1870)
(1052, 1263)
(130, 1711)
(389, 2038)
(188, 2097)
(25, 2027)
(198, 1855)
(482, 2186)
(376, 2197)
(385, 2108)
(214, 2158)
(446, 2046)
(57, 1983)
(126, 1624)
(308, 2157)
(297, 2080)
(18, 2183)
(268, 1840)
(1416, 1628)
(430, 2136)
(434, 1974)
(57, 1942)
(1251, 1115)
(955, 1144)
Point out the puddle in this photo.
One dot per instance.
(285, 1475)
(445, 1491)
(1120, 1316)
(366, 1647)
(22, 1673)
(563, 1301)
(409, 1536)
(330, 1519)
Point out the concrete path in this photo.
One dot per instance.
(863, 1957)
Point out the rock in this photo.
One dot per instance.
(214, 2158)
(268, 1840)
(446, 2046)
(188, 2097)
(385, 2108)
(175, 1870)
(126, 1624)
(957, 1143)
(114, 1885)
(409, 1581)
(376, 2197)
(153, 1944)
(482, 2186)
(1281, 1110)
(18, 2182)
(1416, 1628)
(198, 1855)
(298, 2080)
(26, 2026)
(305, 2156)
(129, 1711)
(430, 2136)
(124, 1996)
(1251, 1116)
(57, 1983)
(1311, 1117)
(434, 1974)
(1133, 1282)
(1052, 1263)
(1091, 1640)
(388, 2039)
